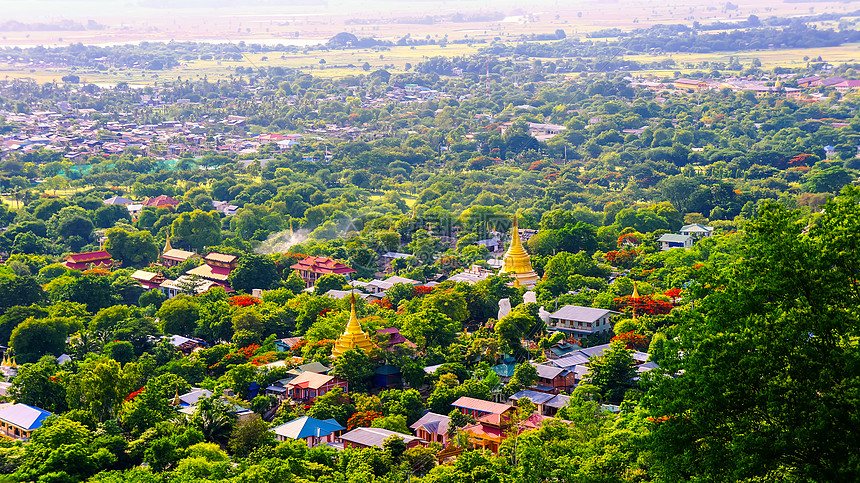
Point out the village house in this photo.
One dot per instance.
(547, 404)
(313, 431)
(579, 322)
(161, 201)
(690, 84)
(669, 241)
(307, 386)
(311, 268)
(148, 280)
(18, 421)
(697, 231)
(432, 428)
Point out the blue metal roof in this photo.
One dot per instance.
(534, 396)
(306, 426)
(23, 416)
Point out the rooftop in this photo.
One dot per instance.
(306, 426)
(24, 416)
(375, 436)
(579, 313)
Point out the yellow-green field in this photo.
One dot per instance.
(337, 63)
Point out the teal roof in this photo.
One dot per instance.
(387, 370)
(504, 370)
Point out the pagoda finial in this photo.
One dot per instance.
(176, 400)
(353, 327)
(515, 236)
(634, 298)
(167, 245)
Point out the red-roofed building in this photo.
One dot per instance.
(160, 201)
(312, 268)
(85, 261)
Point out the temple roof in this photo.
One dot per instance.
(322, 265)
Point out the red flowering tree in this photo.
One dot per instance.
(383, 303)
(243, 300)
(362, 420)
(633, 341)
(264, 358)
(673, 293)
(645, 304)
(627, 239)
(421, 290)
(621, 258)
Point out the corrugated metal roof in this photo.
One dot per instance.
(534, 396)
(547, 372)
(24, 416)
(579, 313)
(306, 426)
(480, 405)
(374, 436)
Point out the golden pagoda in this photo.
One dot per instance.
(516, 262)
(353, 337)
(167, 246)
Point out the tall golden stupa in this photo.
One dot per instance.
(516, 262)
(353, 336)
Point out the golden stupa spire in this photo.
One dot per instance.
(176, 401)
(5, 359)
(353, 336)
(167, 245)
(516, 261)
(635, 298)
(14, 364)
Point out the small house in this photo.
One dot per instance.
(18, 421)
(432, 428)
(313, 431)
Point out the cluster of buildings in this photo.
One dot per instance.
(759, 87)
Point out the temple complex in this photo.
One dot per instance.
(516, 262)
(353, 337)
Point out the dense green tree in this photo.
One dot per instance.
(196, 230)
(179, 315)
(34, 338)
(612, 372)
(19, 291)
(254, 271)
(760, 369)
(38, 385)
(249, 435)
(91, 289)
(354, 366)
(131, 248)
(329, 281)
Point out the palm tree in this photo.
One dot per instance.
(213, 420)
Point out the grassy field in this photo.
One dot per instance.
(321, 23)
